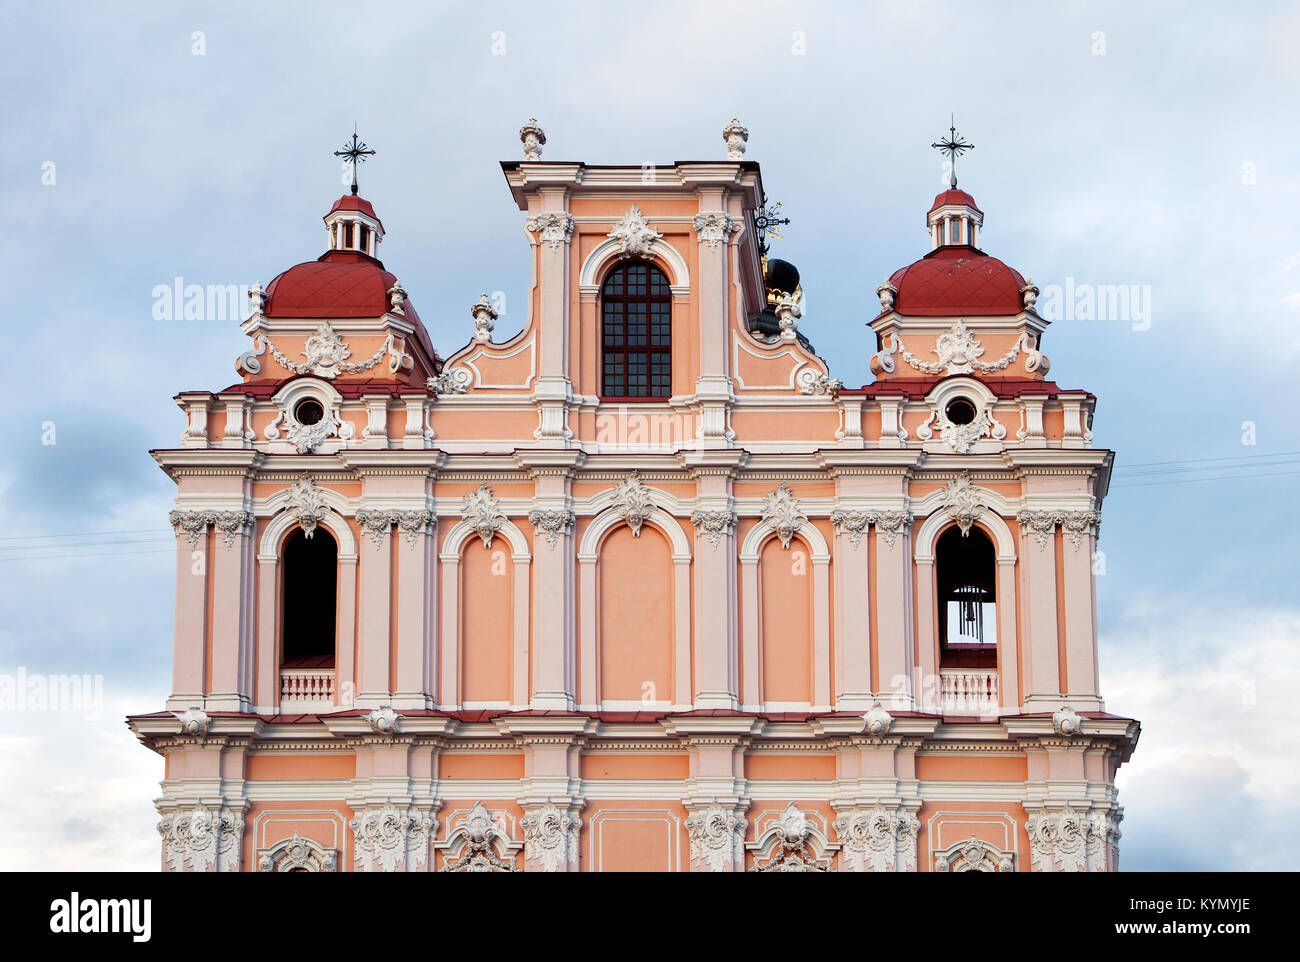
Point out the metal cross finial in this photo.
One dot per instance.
(954, 147)
(767, 223)
(356, 152)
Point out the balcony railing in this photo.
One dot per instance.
(968, 691)
(306, 690)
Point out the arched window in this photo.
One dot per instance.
(636, 333)
(309, 593)
(966, 572)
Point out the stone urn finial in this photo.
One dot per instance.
(397, 297)
(484, 314)
(735, 136)
(788, 313)
(886, 292)
(533, 138)
(1030, 293)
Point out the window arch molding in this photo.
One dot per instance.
(604, 256)
(991, 520)
(297, 854)
(282, 522)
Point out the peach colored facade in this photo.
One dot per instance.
(716, 628)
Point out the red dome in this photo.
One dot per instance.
(957, 281)
(954, 197)
(340, 284)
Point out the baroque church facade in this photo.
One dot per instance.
(642, 586)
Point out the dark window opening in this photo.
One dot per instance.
(308, 412)
(636, 333)
(347, 235)
(365, 238)
(960, 411)
(966, 575)
(308, 608)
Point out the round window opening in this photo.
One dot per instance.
(960, 411)
(308, 412)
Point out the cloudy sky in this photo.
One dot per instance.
(1114, 146)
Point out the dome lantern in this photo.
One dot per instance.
(954, 220)
(352, 225)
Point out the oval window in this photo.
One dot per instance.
(960, 411)
(308, 412)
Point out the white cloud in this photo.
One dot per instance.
(79, 793)
(1213, 782)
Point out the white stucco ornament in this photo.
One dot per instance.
(781, 510)
(532, 137)
(397, 298)
(1030, 293)
(886, 292)
(1066, 721)
(635, 236)
(257, 299)
(195, 721)
(484, 314)
(879, 721)
(735, 136)
(384, 721)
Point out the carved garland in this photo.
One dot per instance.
(855, 523)
(959, 352)
(552, 227)
(194, 523)
(412, 523)
(1075, 524)
(326, 355)
(552, 523)
(714, 227)
(714, 524)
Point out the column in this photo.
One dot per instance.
(417, 610)
(555, 628)
(190, 645)
(1080, 620)
(232, 557)
(1038, 562)
(716, 615)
